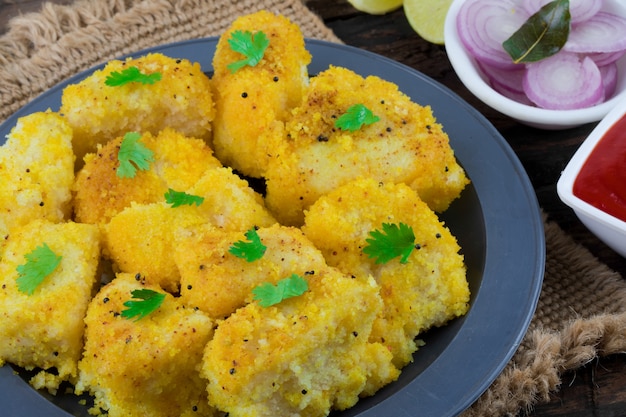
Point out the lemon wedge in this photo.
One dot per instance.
(427, 18)
(376, 6)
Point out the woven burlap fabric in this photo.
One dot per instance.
(582, 308)
(42, 49)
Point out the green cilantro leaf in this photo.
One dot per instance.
(268, 294)
(149, 301)
(180, 198)
(391, 242)
(251, 250)
(251, 46)
(40, 263)
(356, 116)
(133, 155)
(129, 75)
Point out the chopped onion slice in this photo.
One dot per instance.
(564, 82)
(580, 10)
(582, 74)
(609, 79)
(604, 32)
(606, 58)
(508, 79)
(484, 24)
(521, 98)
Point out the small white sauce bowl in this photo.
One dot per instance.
(606, 227)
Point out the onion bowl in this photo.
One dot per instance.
(596, 216)
(477, 81)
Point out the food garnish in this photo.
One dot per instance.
(149, 301)
(356, 116)
(131, 75)
(133, 155)
(542, 35)
(181, 198)
(268, 294)
(40, 263)
(251, 250)
(393, 241)
(252, 46)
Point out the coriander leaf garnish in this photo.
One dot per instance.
(251, 46)
(251, 250)
(40, 263)
(356, 116)
(181, 198)
(393, 241)
(542, 35)
(149, 301)
(129, 75)
(268, 294)
(133, 155)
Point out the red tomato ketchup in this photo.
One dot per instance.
(601, 181)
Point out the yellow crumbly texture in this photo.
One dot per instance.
(44, 330)
(302, 357)
(141, 237)
(406, 145)
(225, 282)
(145, 367)
(229, 201)
(253, 102)
(36, 171)
(428, 291)
(211, 349)
(181, 100)
(179, 162)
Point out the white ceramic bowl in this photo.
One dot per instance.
(606, 227)
(467, 70)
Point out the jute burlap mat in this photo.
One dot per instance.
(582, 308)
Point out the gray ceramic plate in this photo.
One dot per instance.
(496, 220)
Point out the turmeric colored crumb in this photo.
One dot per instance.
(145, 367)
(141, 238)
(305, 356)
(428, 291)
(253, 102)
(44, 330)
(212, 348)
(180, 100)
(406, 145)
(179, 162)
(36, 171)
(218, 282)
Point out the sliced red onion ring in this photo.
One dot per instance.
(564, 82)
(609, 79)
(605, 58)
(484, 24)
(580, 10)
(604, 32)
(521, 98)
(510, 79)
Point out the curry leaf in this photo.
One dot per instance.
(542, 35)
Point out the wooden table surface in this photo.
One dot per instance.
(598, 389)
